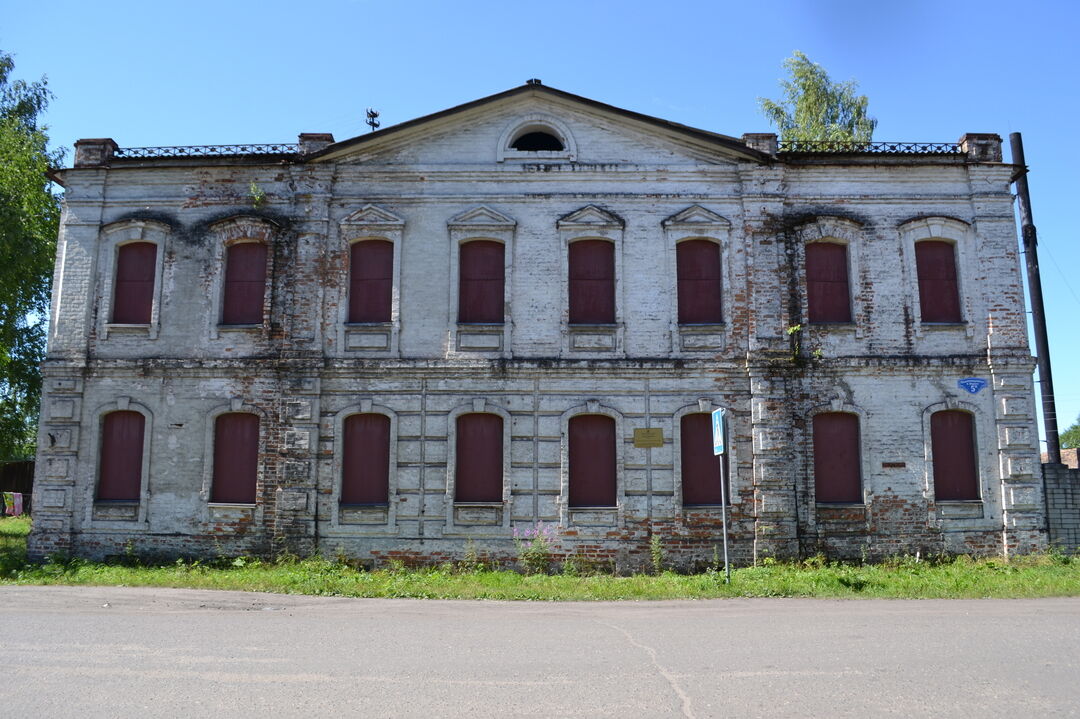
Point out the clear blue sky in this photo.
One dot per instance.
(171, 73)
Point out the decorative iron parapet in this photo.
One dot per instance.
(283, 149)
(807, 147)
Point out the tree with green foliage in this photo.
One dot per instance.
(815, 108)
(29, 219)
(1070, 438)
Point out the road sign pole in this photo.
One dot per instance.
(723, 509)
(719, 427)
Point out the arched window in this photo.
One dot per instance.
(120, 466)
(537, 140)
(837, 458)
(700, 283)
(133, 297)
(592, 282)
(699, 467)
(371, 281)
(236, 458)
(952, 442)
(939, 292)
(245, 284)
(478, 471)
(365, 466)
(481, 282)
(592, 461)
(827, 292)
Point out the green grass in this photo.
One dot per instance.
(1045, 575)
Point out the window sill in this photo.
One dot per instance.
(833, 326)
(143, 330)
(240, 328)
(364, 513)
(115, 510)
(593, 337)
(370, 325)
(488, 514)
(960, 509)
(594, 516)
(944, 325)
(702, 337)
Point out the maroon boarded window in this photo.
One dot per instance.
(939, 295)
(245, 284)
(236, 457)
(592, 282)
(952, 441)
(478, 474)
(837, 473)
(371, 281)
(365, 466)
(480, 287)
(120, 472)
(827, 292)
(592, 461)
(136, 265)
(698, 269)
(700, 467)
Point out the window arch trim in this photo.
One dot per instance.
(614, 516)
(346, 521)
(455, 516)
(541, 122)
(704, 405)
(114, 236)
(95, 516)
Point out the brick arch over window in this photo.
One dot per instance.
(121, 438)
(831, 249)
(371, 280)
(245, 268)
(936, 250)
(699, 270)
(132, 260)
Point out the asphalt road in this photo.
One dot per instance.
(123, 652)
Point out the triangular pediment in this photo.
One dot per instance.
(373, 215)
(590, 216)
(591, 130)
(695, 215)
(481, 217)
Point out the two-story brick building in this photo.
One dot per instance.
(464, 324)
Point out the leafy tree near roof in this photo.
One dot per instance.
(1070, 438)
(29, 219)
(816, 108)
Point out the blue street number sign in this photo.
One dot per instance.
(718, 431)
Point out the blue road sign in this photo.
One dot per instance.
(718, 431)
(971, 384)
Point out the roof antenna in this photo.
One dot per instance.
(533, 81)
(372, 119)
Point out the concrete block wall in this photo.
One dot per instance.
(1063, 506)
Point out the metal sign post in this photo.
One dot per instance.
(719, 427)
